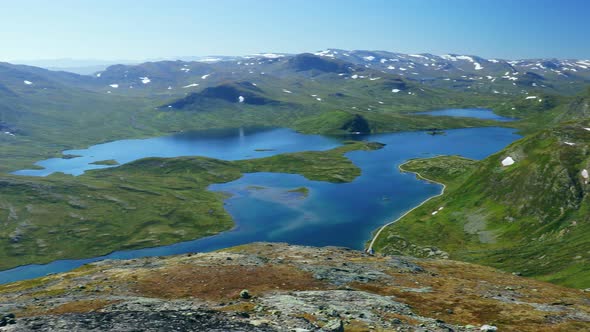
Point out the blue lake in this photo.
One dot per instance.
(479, 113)
(228, 144)
(262, 205)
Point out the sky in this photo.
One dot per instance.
(150, 29)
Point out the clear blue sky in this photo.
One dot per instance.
(119, 29)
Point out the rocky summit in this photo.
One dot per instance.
(280, 287)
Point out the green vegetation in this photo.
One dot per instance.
(314, 165)
(110, 162)
(532, 217)
(336, 122)
(149, 202)
(303, 191)
(440, 169)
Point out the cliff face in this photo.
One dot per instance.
(278, 287)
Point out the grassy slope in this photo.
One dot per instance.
(531, 217)
(150, 202)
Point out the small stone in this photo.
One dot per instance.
(488, 328)
(396, 321)
(334, 325)
(259, 322)
(244, 294)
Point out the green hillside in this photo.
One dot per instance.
(531, 217)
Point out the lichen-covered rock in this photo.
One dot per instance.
(297, 289)
(334, 325)
(138, 321)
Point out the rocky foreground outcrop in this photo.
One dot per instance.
(278, 287)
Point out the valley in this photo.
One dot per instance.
(154, 201)
(179, 157)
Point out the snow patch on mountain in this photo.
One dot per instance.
(209, 60)
(507, 161)
(271, 55)
(326, 53)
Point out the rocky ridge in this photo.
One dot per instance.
(279, 287)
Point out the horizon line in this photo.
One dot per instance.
(178, 57)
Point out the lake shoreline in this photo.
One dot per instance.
(400, 168)
(306, 217)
